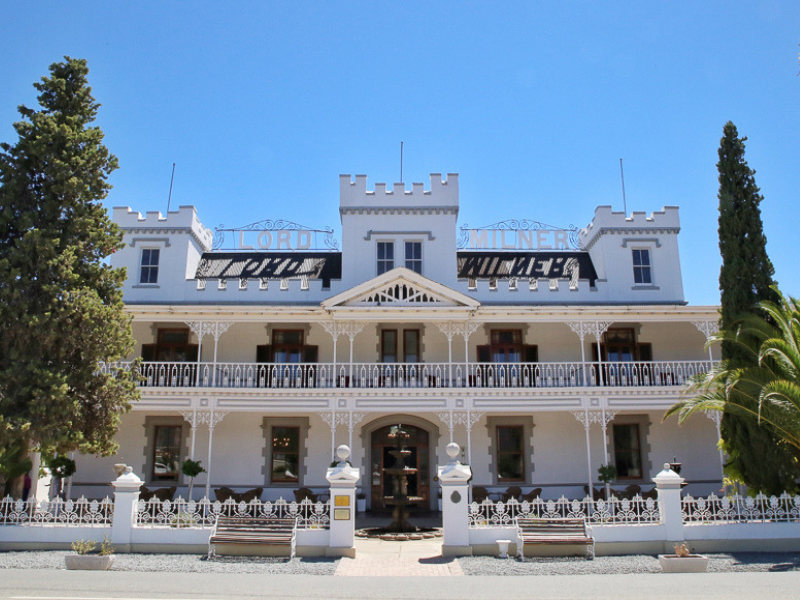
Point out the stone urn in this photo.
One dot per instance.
(692, 563)
(89, 562)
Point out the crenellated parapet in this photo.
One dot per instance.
(608, 221)
(153, 222)
(354, 195)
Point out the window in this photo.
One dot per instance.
(510, 461)
(506, 347)
(287, 346)
(414, 256)
(627, 451)
(166, 452)
(641, 267)
(385, 257)
(285, 456)
(389, 346)
(149, 272)
(620, 345)
(411, 345)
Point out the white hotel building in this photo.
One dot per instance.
(544, 353)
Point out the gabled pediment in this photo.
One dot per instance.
(401, 287)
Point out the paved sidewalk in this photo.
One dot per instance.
(413, 558)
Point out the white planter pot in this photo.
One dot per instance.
(672, 563)
(89, 562)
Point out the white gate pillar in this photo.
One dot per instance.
(454, 478)
(343, 479)
(126, 499)
(668, 483)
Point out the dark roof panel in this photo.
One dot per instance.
(526, 265)
(270, 265)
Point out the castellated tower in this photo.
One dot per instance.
(161, 252)
(401, 222)
(616, 241)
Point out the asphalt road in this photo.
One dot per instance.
(73, 585)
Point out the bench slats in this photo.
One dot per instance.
(253, 531)
(537, 531)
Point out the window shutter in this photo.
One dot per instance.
(310, 354)
(149, 352)
(191, 352)
(484, 353)
(264, 353)
(646, 352)
(594, 351)
(530, 353)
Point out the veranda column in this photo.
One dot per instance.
(212, 418)
(447, 419)
(218, 329)
(200, 329)
(585, 419)
(353, 419)
(334, 330)
(353, 328)
(716, 416)
(449, 329)
(331, 420)
(126, 498)
(598, 329)
(466, 329)
(343, 479)
(454, 478)
(668, 483)
(708, 329)
(581, 329)
(191, 417)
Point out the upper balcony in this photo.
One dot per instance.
(361, 376)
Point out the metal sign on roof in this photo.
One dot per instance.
(518, 234)
(274, 235)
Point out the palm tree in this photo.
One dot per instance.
(763, 383)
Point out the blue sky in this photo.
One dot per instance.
(263, 104)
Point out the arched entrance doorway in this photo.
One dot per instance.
(419, 483)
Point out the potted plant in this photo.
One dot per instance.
(607, 474)
(361, 501)
(87, 559)
(683, 561)
(191, 469)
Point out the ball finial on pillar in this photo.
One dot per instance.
(453, 450)
(343, 452)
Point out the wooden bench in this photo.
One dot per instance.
(253, 531)
(562, 532)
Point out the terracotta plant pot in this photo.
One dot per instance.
(89, 562)
(672, 563)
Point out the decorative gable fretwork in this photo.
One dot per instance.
(402, 294)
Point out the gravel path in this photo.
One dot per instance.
(472, 565)
(638, 563)
(183, 563)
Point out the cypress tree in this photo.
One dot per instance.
(755, 455)
(61, 310)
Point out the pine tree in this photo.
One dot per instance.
(61, 310)
(755, 454)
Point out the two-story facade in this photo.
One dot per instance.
(544, 352)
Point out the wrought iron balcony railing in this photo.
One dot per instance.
(418, 375)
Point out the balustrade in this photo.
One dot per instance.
(417, 375)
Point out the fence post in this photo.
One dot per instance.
(454, 479)
(343, 479)
(126, 498)
(668, 483)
